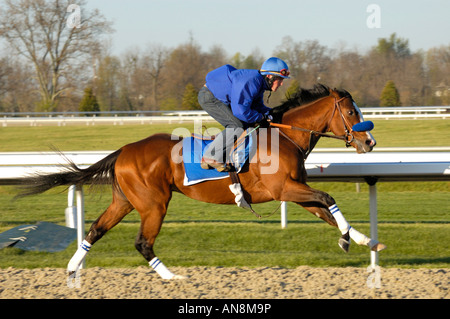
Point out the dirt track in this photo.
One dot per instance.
(224, 283)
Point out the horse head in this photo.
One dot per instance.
(320, 110)
(348, 121)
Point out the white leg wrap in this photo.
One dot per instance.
(359, 238)
(362, 239)
(343, 225)
(160, 268)
(79, 256)
(236, 189)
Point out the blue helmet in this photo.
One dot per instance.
(276, 67)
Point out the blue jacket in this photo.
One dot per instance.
(242, 90)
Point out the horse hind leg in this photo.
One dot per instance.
(152, 213)
(145, 247)
(116, 211)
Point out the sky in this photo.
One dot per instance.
(245, 25)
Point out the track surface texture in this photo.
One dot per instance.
(227, 283)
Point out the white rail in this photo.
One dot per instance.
(150, 117)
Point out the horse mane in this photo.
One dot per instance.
(304, 96)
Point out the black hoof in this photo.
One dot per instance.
(344, 242)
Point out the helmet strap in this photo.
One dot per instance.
(269, 81)
(268, 97)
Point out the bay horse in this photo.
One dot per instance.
(144, 174)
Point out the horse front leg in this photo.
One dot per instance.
(333, 216)
(324, 206)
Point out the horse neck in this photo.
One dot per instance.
(314, 116)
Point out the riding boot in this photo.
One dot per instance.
(216, 153)
(212, 164)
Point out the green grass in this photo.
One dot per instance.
(414, 219)
(392, 133)
(196, 233)
(78, 138)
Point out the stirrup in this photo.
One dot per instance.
(205, 166)
(220, 167)
(225, 168)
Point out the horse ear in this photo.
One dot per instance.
(334, 93)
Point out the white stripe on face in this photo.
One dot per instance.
(359, 112)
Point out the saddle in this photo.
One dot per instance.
(193, 149)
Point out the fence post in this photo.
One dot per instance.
(80, 217)
(283, 215)
(71, 211)
(373, 211)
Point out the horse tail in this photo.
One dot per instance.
(101, 172)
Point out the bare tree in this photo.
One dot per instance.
(55, 36)
(438, 66)
(187, 63)
(309, 61)
(153, 63)
(16, 86)
(107, 84)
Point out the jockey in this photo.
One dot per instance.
(234, 98)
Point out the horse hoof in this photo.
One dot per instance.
(378, 247)
(344, 242)
(179, 277)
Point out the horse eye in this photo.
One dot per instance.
(351, 112)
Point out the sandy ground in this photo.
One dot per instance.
(227, 283)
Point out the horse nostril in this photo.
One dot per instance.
(371, 143)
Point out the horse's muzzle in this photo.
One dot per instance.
(365, 145)
(368, 145)
(371, 143)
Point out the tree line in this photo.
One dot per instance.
(49, 65)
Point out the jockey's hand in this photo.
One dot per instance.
(265, 122)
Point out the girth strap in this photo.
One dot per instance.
(234, 177)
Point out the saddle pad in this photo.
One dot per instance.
(193, 149)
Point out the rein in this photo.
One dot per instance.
(348, 137)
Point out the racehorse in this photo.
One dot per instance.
(144, 174)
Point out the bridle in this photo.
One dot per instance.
(347, 137)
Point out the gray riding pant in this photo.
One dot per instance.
(223, 144)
